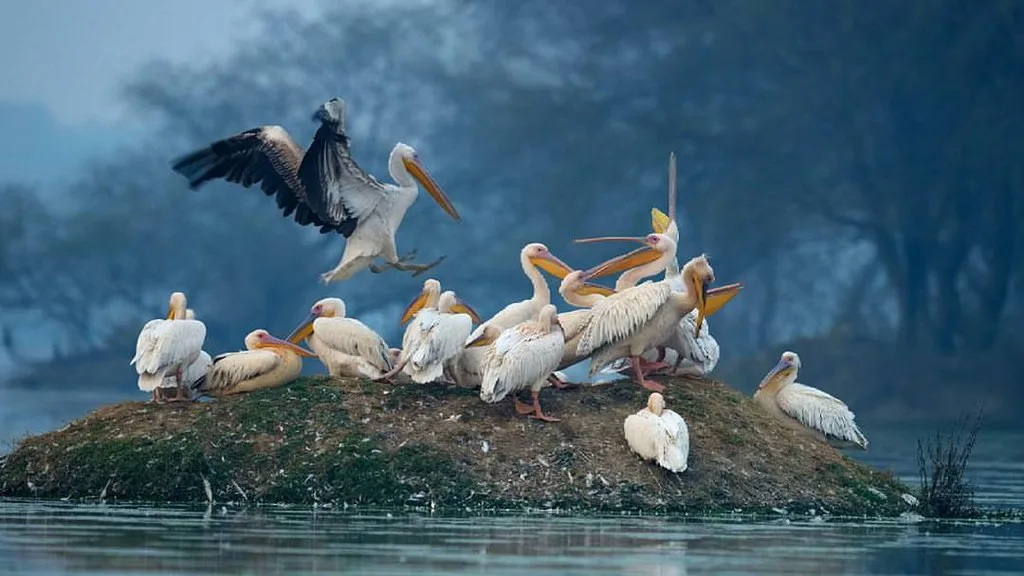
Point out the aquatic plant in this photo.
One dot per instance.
(942, 466)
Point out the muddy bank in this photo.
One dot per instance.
(337, 442)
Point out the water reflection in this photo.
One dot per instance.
(40, 538)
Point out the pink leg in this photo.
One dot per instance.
(648, 384)
(521, 407)
(537, 412)
(559, 384)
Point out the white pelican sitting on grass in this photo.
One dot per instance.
(659, 434)
(806, 408)
(267, 362)
(522, 357)
(434, 338)
(346, 346)
(325, 187)
(168, 346)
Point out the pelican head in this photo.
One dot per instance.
(178, 306)
(785, 371)
(656, 403)
(428, 297)
(331, 113)
(699, 274)
(404, 161)
(656, 247)
(261, 339)
(326, 308)
(450, 303)
(538, 255)
(574, 283)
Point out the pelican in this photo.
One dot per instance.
(531, 257)
(435, 337)
(325, 187)
(584, 295)
(194, 372)
(656, 433)
(826, 417)
(266, 362)
(521, 357)
(168, 346)
(345, 345)
(630, 322)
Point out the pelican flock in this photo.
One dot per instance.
(642, 328)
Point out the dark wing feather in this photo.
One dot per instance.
(266, 155)
(338, 190)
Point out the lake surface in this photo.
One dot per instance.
(46, 538)
(61, 538)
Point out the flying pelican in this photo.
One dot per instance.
(266, 362)
(531, 257)
(345, 345)
(194, 372)
(168, 346)
(325, 187)
(656, 433)
(807, 408)
(521, 357)
(435, 337)
(630, 322)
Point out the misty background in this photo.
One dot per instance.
(857, 166)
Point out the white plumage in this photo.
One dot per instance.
(530, 257)
(807, 408)
(267, 362)
(346, 346)
(167, 347)
(324, 186)
(434, 340)
(195, 370)
(656, 433)
(523, 357)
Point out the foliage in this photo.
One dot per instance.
(942, 463)
(853, 174)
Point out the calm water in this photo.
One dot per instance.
(58, 538)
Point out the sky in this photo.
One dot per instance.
(63, 61)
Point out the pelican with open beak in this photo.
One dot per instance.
(346, 346)
(267, 362)
(636, 319)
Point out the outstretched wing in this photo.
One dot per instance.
(266, 155)
(338, 189)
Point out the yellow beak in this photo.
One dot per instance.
(302, 331)
(550, 263)
(461, 307)
(589, 288)
(702, 309)
(424, 178)
(482, 340)
(715, 298)
(659, 221)
(637, 257)
(170, 313)
(272, 342)
(415, 306)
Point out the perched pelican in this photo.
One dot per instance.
(168, 346)
(807, 408)
(194, 372)
(325, 187)
(531, 257)
(435, 337)
(345, 345)
(656, 433)
(584, 295)
(629, 322)
(521, 357)
(266, 362)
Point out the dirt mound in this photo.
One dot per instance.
(336, 442)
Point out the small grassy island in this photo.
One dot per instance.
(349, 442)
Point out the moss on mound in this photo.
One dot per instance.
(332, 441)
